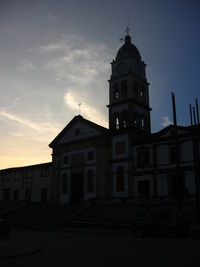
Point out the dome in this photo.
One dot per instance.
(128, 49)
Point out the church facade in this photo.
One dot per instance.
(125, 161)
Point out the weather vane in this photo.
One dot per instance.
(79, 107)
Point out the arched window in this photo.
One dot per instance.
(90, 181)
(120, 180)
(137, 120)
(116, 91)
(143, 122)
(64, 183)
(142, 94)
(124, 117)
(116, 121)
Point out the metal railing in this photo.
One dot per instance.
(148, 201)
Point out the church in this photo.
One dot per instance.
(125, 161)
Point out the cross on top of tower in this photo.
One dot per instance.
(79, 108)
(127, 30)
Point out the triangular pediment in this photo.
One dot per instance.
(78, 129)
(171, 131)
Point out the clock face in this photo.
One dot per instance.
(122, 68)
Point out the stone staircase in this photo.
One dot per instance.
(102, 214)
(118, 212)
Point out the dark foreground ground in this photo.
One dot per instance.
(94, 248)
(38, 238)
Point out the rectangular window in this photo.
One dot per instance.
(172, 154)
(45, 171)
(90, 155)
(29, 174)
(120, 183)
(16, 176)
(6, 194)
(64, 183)
(16, 195)
(90, 181)
(143, 157)
(172, 185)
(44, 195)
(8, 177)
(120, 148)
(116, 91)
(143, 188)
(28, 194)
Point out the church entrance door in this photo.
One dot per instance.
(143, 188)
(76, 187)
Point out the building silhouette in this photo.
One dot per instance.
(125, 161)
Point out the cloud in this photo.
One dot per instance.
(52, 18)
(83, 68)
(44, 127)
(64, 43)
(166, 121)
(14, 103)
(73, 61)
(54, 46)
(78, 67)
(90, 112)
(26, 66)
(61, 73)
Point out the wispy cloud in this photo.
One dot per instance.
(25, 66)
(76, 56)
(54, 46)
(83, 68)
(14, 103)
(65, 42)
(45, 127)
(166, 121)
(52, 18)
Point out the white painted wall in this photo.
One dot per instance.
(136, 156)
(37, 183)
(85, 132)
(18, 180)
(85, 151)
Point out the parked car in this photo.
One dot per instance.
(4, 227)
(159, 224)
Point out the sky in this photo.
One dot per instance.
(56, 54)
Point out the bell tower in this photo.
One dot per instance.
(128, 90)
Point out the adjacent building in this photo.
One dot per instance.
(30, 183)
